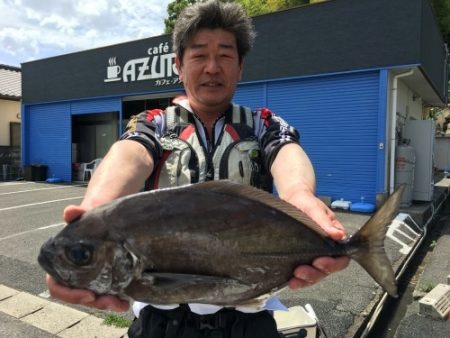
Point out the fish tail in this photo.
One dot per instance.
(368, 244)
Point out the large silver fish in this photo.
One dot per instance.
(216, 242)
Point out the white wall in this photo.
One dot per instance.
(409, 105)
(8, 113)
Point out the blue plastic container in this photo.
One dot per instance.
(362, 207)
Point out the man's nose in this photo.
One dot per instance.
(212, 65)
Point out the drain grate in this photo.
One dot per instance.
(436, 303)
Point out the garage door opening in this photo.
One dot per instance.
(92, 136)
(137, 104)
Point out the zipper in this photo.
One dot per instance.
(223, 171)
(209, 149)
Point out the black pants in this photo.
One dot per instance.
(182, 323)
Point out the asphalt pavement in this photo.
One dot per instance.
(347, 303)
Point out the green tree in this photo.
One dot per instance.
(277, 5)
(252, 7)
(173, 11)
(255, 7)
(442, 12)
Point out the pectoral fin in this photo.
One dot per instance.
(177, 280)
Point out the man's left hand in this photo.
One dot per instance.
(306, 275)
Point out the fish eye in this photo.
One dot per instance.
(80, 254)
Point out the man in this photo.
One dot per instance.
(192, 142)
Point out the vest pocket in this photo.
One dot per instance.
(179, 164)
(241, 162)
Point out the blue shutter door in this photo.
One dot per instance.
(96, 106)
(49, 132)
(338, 119)
(49, 138)
(251, 95)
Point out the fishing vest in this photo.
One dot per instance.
(235, 156)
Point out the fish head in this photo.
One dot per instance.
(88, 259)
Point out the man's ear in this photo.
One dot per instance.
(241, 66)
(178, 65)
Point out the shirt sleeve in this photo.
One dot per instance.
(146, 128)
(273, 133)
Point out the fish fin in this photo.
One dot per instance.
(176, 280)
(251, 193)
(369, 241)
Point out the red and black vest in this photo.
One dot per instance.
(236, 155)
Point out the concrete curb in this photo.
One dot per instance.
(57, 319)
(437, 266)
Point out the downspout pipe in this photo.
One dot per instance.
(394, 127)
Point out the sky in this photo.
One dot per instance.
(38, 29)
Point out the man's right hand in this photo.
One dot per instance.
(83, 296)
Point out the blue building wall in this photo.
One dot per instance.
(341, 119)
(47, 132)
(342, 124)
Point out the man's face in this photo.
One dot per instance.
(210, 70)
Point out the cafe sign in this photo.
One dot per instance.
(158, 66)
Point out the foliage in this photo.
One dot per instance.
(252, 7)
(442, 12)
(173, 11)
(112, 319)
(426, 286)
(433, 244)
(257, 7)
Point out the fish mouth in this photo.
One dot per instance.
(46, 260)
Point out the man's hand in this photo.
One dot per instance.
(306, 275)
(82, 296)
(85, 297)
(123, 171)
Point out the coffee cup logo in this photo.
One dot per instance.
(113, 71)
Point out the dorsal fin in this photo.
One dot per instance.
(251, 193)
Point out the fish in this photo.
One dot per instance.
(215, 242)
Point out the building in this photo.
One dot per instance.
(10, 95)
(346, 73)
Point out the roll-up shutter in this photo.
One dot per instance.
(49, 132)
(338, 119)
(251, 95)
(49, 138)
(96, 106)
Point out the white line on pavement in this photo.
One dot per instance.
(33, 230)
(50, 226)
(15, 183)
(40, 203)
(41, 189)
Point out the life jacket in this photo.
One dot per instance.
(235, 156)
